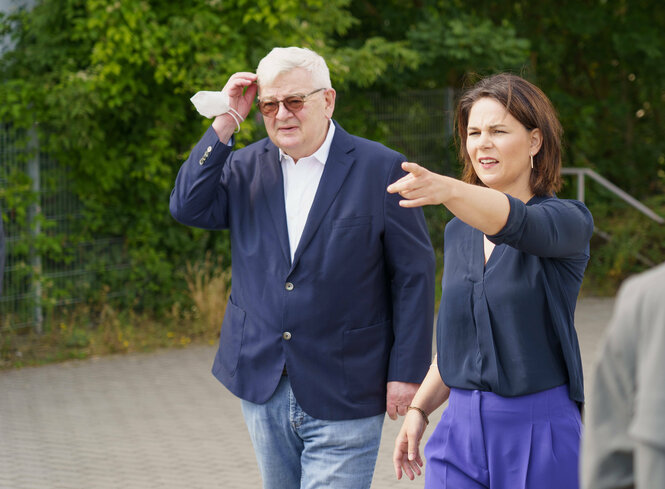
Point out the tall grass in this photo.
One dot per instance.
(100, 328)
(207, 283)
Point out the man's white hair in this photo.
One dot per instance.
(282, 60)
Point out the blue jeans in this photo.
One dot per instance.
(296, 451)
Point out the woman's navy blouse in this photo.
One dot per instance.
(508, 326)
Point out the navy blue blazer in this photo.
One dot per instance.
(355, 308)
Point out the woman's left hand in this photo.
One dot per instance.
(406, 456)
(420, 187)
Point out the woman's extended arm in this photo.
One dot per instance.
(480, 207)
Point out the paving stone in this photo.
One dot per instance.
(156, 420)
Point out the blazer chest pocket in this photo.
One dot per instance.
(350, 222)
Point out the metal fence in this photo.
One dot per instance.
(39, 283)
(419, 124)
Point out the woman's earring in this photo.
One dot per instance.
(531, 161)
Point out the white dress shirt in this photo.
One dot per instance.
(301, 180)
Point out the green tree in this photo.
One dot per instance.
(600, 61)
(107, 85)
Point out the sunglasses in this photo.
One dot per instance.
(293, 103)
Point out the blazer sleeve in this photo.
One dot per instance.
(411, 265)
(200, 197)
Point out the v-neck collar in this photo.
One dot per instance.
(480, 251)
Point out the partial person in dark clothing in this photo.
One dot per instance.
(508, 359)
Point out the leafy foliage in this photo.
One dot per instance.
(107, 85)
(107, 82)
(599, 61)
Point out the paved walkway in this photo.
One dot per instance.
(157, 420)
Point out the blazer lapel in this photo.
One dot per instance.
(336, 169)
(273, 187)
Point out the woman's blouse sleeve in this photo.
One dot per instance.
(547, 227)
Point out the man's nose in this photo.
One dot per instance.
(282, 112)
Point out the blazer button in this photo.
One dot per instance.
(286, 335)
(288, 286)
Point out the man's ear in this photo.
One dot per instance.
(329, 107)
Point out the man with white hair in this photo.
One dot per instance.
(329, 322)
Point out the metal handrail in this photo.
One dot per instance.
(582, 172)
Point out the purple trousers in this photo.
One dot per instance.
(487, 441)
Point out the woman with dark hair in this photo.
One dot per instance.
(508, 360)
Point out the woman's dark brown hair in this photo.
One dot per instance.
(529, 105)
